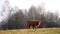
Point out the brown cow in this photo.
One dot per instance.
(33, 24)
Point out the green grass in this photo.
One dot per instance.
(32, 31)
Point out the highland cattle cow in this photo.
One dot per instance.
(33, 24)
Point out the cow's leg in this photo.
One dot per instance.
(35, 27)
(30, 27)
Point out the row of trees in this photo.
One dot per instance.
(20, 18)
(17, 18)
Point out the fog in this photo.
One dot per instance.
(16, 18)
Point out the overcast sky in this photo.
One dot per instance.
(49, 4)
(52, 5)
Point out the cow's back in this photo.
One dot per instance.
(33, 23)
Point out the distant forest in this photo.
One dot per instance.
(18, 18)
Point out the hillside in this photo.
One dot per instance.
(32, 31)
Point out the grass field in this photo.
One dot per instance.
(32, 31)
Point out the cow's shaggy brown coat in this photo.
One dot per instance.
(33, 24)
